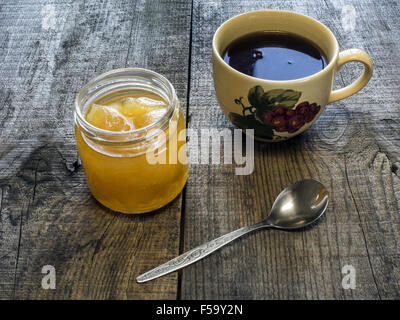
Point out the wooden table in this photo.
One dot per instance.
(48, 217)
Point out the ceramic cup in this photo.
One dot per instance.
(253, 103)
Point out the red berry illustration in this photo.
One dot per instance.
(279, 121)
(276, 110)
(295, 123)
(303, 108)
(303, 104)
(290, 113)
(267, 117)
(308, 117)
(314, 108)
(280, 111)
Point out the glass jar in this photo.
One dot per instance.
(139, 170)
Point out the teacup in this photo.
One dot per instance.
(244, 98)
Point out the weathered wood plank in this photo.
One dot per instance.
(47, 213)
(351, 149)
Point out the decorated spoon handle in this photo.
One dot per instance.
(197, 253)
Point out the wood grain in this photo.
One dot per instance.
(48, 216)
(351, 149)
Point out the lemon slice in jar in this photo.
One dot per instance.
(108, 118)
(142, 111)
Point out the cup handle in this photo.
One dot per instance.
(348, 56)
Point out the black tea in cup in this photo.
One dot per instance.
(274, 55)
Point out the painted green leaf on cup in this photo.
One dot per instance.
(273, 94)
(249, 122)
(286, 98)
(255, 96)
(268, 100)
(272, 111)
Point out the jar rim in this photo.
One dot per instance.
(139, 133)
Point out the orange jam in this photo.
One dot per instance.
(127, 113)
(118, 170)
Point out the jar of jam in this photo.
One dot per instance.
(130, 133)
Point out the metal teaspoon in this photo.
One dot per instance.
(297, 206)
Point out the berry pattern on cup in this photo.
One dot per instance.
(291, 120)
(273, 112)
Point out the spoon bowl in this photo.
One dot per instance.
(299, 205)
